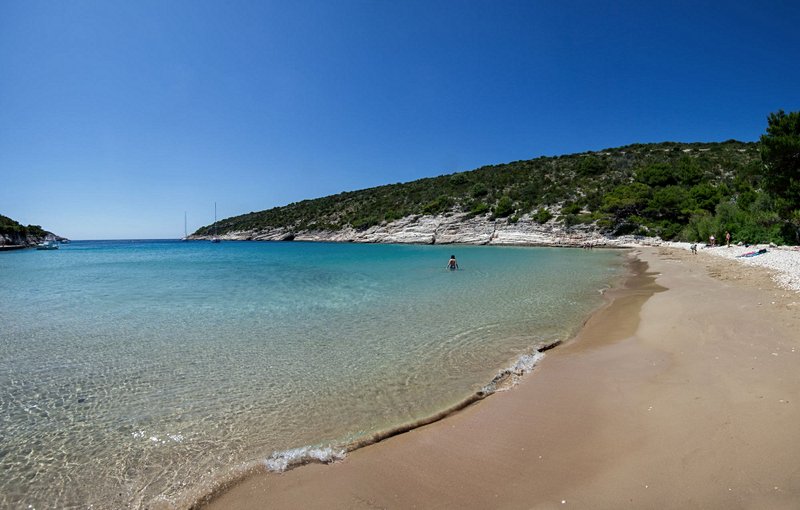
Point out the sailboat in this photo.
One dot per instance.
(214, 238)
(185, 231)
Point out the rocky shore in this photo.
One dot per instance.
(13, 241)
(460, 228)
(455, 228)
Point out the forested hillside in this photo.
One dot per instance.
(673, 190)
(13, 233)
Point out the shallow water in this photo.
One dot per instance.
(141, 372)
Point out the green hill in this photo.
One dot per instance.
(673, 190)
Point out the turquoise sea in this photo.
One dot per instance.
(141, 373)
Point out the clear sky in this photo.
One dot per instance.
(117, 117)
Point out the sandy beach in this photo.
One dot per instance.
(681, 393)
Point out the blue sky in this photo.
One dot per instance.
(118, 117)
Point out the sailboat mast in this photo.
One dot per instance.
(214, 238)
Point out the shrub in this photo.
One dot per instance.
(440, 205)
(657, 174)
(479, 208)
(542, 216)
(570, 208)
(504, 207)
(479, 190)
(591, 165)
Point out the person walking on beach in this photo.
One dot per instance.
(728, 238)
(452, 265)
(693, 247)
(712, 241)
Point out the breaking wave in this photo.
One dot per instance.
(505, 379)
(282, 461)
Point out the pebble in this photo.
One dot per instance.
(785, 261)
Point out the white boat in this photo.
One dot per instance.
(47, 245)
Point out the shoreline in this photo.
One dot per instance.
(581, 429)
(508, 378)
(285, 461)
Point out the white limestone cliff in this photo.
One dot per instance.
(454, 228)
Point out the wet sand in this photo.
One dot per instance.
(682, 393)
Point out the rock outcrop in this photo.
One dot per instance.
(15, 239)
(454, 228)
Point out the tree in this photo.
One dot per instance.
(706, 196)
(504, 207)
(657, 174)
(627, 199)
(672, 203)
(780, 152)
(591, 165)
(689, 171)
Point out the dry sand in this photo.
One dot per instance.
(682, 393)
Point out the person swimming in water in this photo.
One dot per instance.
(452, 265)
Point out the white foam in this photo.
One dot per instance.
(526, 362)
(281, 461)
(509, 377)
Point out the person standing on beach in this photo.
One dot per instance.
(712, 241)
(728, 238)
(452, 265)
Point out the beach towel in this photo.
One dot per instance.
(754, 253)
